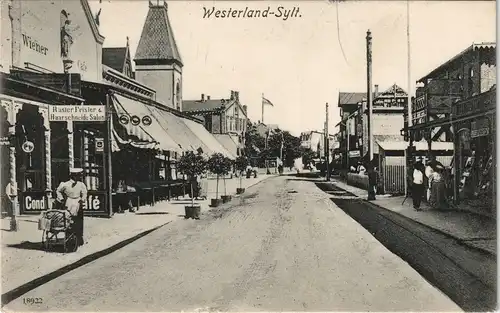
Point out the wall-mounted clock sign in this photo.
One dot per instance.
(28, 146)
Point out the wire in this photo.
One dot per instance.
(338, 32)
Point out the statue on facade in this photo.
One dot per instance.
(66, 40)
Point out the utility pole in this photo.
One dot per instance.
(109, 148)
(369, 93)
(327, 147)
(410, 104)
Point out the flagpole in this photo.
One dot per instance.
(262, 100)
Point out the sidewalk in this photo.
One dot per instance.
(471, 229)
(23, 259)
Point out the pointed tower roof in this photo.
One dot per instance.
(157, 41)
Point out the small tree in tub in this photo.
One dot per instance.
(217, 165)
(241, 164)
(192, 165)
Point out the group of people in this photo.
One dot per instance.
(429, 181)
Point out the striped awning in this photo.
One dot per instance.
(174, 126)
(142, 135)
(208, 139)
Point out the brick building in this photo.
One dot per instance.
(225, 118)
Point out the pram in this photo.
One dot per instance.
(53, 224)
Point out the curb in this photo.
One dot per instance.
(15, 293)
(459, 240)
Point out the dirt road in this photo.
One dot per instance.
(284, 246)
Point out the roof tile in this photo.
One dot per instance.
(157, 39)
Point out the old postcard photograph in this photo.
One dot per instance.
(248, 156)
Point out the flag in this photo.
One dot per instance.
(266, 102)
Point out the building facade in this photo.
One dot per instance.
(59, 67)
(226, 119)
(315, 140)
(388, 120)
(456, 103)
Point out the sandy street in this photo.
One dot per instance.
(284, 246)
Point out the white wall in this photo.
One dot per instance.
(36, 33)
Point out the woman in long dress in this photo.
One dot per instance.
(438, 188)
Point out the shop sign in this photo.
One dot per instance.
(33, 202)
(479, 128)
(354, 154)
(77, 113)
(99, 145)
(28, 146)
(96, 204)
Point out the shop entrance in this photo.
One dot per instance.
(30, 160)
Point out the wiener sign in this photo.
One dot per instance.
(34, 202)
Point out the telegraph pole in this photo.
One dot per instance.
(410, 104)
(327, 146)
(369, 93)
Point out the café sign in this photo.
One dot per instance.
(34, 202)
(77, 113)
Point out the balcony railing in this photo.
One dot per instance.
(476, 104)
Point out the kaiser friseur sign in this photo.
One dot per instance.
(77, 113)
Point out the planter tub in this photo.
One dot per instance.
(226, 199)
(239, 191)
(192, 211)
(215, 202)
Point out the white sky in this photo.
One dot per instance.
(298, 63)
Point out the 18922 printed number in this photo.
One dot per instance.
(31, 301)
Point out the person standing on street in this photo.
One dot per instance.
(418, 187)
(73, 194)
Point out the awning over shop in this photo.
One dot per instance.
(208, 138)
(178, 130)
(140, 135)
(228, 142)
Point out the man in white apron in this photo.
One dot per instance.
(73, 194)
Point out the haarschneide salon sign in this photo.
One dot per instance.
(77, 113)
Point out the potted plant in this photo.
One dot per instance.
(192, 165)
(241, 164)
(226, 169)
(216, 165)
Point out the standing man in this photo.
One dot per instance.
(73, 194)
(418, 187)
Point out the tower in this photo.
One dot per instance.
(158, 63)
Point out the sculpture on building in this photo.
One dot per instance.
(66, 40)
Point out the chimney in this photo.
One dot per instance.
(232, 95)
(376, 91)
(237, 95)
(208, 97)
(202, 97)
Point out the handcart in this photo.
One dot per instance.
(57, 230)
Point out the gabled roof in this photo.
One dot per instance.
(114, 57)
(204, 106)
(351, 97)
(157, 39)
(394, 89)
